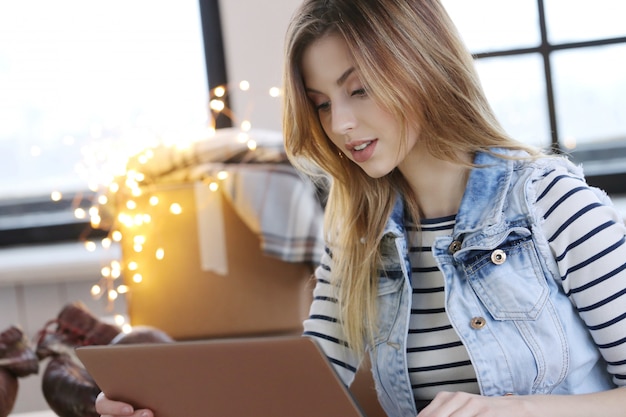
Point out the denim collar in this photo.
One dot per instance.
(395, 224)
(482, 203)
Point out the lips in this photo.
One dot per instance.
(363, 150)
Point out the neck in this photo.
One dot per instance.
(438, 185)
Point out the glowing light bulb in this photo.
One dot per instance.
(242, 137)
(219, 91)
(119, 319)
(95, 221)
(56, 196)
(246, 125)
(222, 175)
(244, 85)
(274, 92)
(90, 246)
(132, 266)
(217, 105)
(124, 219)
(80, 213)
(154, 200)
(160, 253)
(96, 290)
(175, 208)
(137, 278)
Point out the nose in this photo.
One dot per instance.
(343, 119)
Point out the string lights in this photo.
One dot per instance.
(127, 193)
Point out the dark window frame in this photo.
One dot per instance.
(54, 222)
(611, 182)
(68, 228)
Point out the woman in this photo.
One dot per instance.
(482, 277)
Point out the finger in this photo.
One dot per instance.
(109, 408)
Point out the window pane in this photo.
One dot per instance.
(515, 87)
(582, 20)
(492, 25)
(77, 74)
(590, 94)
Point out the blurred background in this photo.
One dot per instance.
(85, 84)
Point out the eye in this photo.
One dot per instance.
(359, 92)
(325, 106)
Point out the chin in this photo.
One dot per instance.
(376, 173)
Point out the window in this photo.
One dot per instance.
(82, 82)
(553, 71)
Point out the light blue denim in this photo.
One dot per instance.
(532, 340)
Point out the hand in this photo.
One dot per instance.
(109, 408)
(462, 404)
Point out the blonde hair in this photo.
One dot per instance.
(411, 57)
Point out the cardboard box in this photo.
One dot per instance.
(258, 295)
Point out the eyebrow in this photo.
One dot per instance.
(345, 76)
(342, 79)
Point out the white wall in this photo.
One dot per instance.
(253, 40)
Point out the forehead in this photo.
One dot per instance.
(325, 60)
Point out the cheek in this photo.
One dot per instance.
(327, 128)
(336, 142)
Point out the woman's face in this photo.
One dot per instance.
(366, 133)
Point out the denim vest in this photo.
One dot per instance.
(502, 291)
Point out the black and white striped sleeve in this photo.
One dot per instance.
(587, 237)
(323, 323)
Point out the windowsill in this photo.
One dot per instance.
(57, 262)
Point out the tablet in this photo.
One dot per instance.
(240, 377)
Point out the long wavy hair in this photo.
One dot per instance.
(410, 55)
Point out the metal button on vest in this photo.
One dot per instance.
(498, 256)
(454, 246)
(478, 323)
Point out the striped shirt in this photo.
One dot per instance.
(436, 358)
(587, 239)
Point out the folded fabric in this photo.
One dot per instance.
(279, 205)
